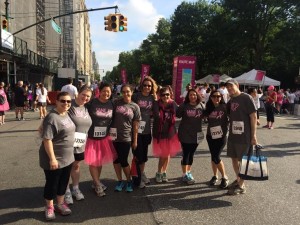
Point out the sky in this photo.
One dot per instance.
(142, 16)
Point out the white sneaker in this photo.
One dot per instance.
(78, 194)
(104, 187)
(99, 191)
(142, 185)
(145, 179)
(68, 198)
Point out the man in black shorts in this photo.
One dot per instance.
(19, 100)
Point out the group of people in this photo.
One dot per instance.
(99, 131)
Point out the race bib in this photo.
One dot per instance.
(100, 132)
(80, 139)
(200, 137)
(142, 125)
(113, 133)
(216, 132)
(238, 127)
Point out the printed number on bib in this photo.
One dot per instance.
(142, 125)
(80, 139)
(238, 127)
(113, 133)
(200, 137)
(100, 132)
(216, 132)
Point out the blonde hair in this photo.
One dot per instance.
(153, 88)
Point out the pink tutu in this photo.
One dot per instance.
(166, 147)
(99, 152)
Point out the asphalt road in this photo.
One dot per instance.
(276, 201)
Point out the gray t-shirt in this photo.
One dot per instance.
(124, 115)
(82, 120)
(146, 106)
(164, 120)
(218, 122)
(101, 114)
(240, 108)
(190, 127)
(60, 129)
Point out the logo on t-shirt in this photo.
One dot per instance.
(81, 113)
(145, 104)
(216, 115)
(193, 113)
(124, 110)
(234, 106)
(102, 112)
(67, 123)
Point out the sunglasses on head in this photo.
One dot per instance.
(165, 94)
(146, 85)
(65, 101)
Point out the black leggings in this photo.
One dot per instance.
(122, 149)
(270, 112)
(141, 152)
(216, 146)
(56, 182)
(188, 151)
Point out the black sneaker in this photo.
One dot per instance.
(224, 183)
(213, 181)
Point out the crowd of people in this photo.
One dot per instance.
(88, 124)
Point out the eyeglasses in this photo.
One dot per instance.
(165, 94)
(146, 85)
(216, 96)
(65, 101)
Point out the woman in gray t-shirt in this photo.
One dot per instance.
(57, 154)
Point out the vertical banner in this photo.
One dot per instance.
(123, 76)
(260, 75)
(183, 73)
(216, 78)
(145, 71)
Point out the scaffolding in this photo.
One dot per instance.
(40, 28)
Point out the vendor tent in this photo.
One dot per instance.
(225, 78)
(207, 79)
(249, 78)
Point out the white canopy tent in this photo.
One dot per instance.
(249, 79)
(209, 79)
(225, 78)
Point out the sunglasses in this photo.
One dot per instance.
(65, 101)
(146, 85)
(216, 96)
(165, 94)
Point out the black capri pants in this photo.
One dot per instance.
(141, 152)
(122, 149)
(216, 146)
(270, 112)
(188, 151)
(56, 182)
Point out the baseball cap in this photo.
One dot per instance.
(271, 88)
(232, 81)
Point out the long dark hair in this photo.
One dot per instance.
(210, 105)
(42, 88)
(187, 100)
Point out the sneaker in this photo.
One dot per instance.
(158, 177)
(266, 126)
(213, 181)
(145, 179)
(142, 185)
(104, 187)
(99, 191)
(68, 198)
(120, 185)
(233, 184)
(17, 118)
(22, 118)
(236, 190)
(164, 177)
(185, 178)
(63, 209)
(49, 212)
(78, 194)
(129, 187)
(271, 127)
(224, 183)
(191, 179)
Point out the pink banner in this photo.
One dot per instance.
(123, 76)
(260, 75)
(216, 78)
(145, 71)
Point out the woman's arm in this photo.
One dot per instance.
(135, 134)
(50, 152)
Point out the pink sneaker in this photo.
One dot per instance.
(49, 213)
(63, 209)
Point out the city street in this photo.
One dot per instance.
(275, 201)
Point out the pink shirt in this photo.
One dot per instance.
(5, 106)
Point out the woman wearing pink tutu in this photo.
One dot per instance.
(99, 149)
(82, 120)
(165, 138)
(4, 106)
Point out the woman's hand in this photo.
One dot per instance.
(134, 145)
(53, 164)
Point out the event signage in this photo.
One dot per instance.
(145, 71)
(183, 74)
(123, 76)
(260, 75)
(216, 78)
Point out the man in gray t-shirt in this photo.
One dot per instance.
(242, 130)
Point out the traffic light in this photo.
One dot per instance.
(4, 24)
(122, 23)
(111, 22)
